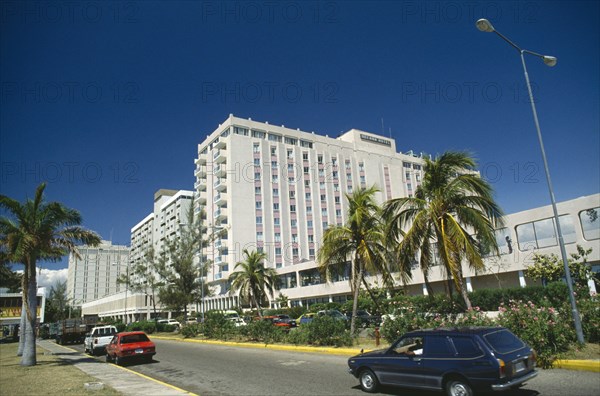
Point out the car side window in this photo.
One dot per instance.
(409, 346)
(438, 347)
(466, 346)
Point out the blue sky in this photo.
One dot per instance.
(107, 101)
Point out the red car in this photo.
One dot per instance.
(130, 345)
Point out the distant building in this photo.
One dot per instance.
(94, 275)
(11, 305)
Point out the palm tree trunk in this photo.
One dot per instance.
(373, 297)
(428, 284)
(22, 326)
(463, 288)
(356, 288)
(29, 348)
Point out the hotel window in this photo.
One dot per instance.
(361, 166)
(309, 223)
(325, 225)
(278, 251)
(590, 224)
(295, 252)
(255, 148)
(290, 167)
(258, 204)
(276, 221)
(334, 174)
(275, 206)
(295, 238)
(291, 180)
(307, 195)
(275, 192)
(311, 238)
(258, 219)
(259, 236)
(311, 252)
(256, 161)
(292, 194)
(309, 210)
(349, 177)
(293, 208)
(334, 161)
(294, 222)
(362, 179)
(324, 212)
(323, 197)
(275, 179)
(273, 164)
(406, 165)
(277, 237)
(240, 131)
(273, 150)
(322, 185)
(256, 176)
(338, 212)
(306, 170)
(258, 134)
(274, 137)
(336, 187)
(320, 158)
(337, 200)
(305, 156)
(289, 140)
(306, 183)
(321, 173)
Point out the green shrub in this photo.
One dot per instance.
(543, 328)
(190, 331)
(589, 310)
(146, 326)
(297, 336)
(262, 331)
(324, 330)
(165, 328)
(406, 320)
(217, 326)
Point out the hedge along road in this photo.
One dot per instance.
(207, 369)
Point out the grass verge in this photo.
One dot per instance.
(589, 351)
(51, 376)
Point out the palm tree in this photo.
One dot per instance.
(452, 217)
(38, 231)
(361, 241)
(251, 278)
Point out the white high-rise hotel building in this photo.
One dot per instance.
(278, 189)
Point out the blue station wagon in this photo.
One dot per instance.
(459, 361)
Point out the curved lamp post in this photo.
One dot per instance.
(485, 26)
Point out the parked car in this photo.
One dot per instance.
(274, 319)
(234, 317)
(458, 360)
(128, 346)
(171, 322)
(305, 318)
(96, 340)
(334, 313)
(287, 319)
(364, 318)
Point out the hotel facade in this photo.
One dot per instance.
(275, 189)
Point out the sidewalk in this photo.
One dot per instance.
(121, 379)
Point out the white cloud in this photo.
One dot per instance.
(48, 278)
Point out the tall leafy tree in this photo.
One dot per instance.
(38, 231)
(58, 302)
(452, 217)
(142, 277)
(177, 268)
(8, 278)
(360, 241)
(253, 280)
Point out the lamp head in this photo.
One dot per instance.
(550, 60)
(484, 25)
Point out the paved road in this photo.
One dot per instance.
(222, 370)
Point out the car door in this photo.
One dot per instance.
(399, 367)
(438, 356)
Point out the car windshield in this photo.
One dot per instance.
(133, 338)
(503, 341)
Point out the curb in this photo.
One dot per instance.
(276, 347)
(583, 365)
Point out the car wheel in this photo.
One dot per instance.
(368, 381)
(108, 358)
(458, 387)
(118, 361)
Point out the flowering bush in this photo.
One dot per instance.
(404, 321)
(474, 317)
(590, 318)
(542, 328)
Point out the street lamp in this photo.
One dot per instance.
(485, 26)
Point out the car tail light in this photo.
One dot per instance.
(502, 369)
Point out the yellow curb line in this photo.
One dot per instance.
(328, 351)
(586, 365)
(155, 380)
